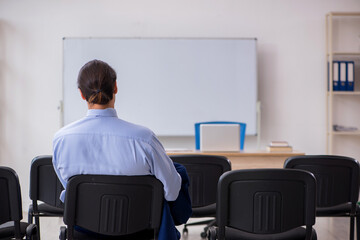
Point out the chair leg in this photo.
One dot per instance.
(352, 225)
(210, 224)
(32, 232)
(63, 233)
(212, 233)
(358, 226)
(30, 217)
(37, 222)
(185, 230)
(203, 234)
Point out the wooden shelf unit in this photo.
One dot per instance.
(331, 55)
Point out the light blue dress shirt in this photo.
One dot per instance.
(101, 143)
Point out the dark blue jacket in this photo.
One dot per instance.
(178, 211)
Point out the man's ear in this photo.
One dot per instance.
(115, 88)
(82, 96)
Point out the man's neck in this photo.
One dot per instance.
(100, 106)
(110, 104)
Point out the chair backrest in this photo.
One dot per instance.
(44, 183)
(241, 133)
(10, 198)
(266, 201)
(113, 205)
(337, 177)
(204, 172)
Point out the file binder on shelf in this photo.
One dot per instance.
(342, 86)
(336, 76)
(350, 76)
(343, 75)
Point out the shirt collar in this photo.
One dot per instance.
(108, 112)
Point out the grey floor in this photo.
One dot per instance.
(326, 228)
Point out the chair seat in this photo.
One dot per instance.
(207, 211)
(294, 234)
(7, 229)
(46, 209)
(80, 233)
(339, 210)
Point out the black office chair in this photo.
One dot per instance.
(112, 207)
(204, 172)
(45, 189)
(261, 204)
(11, 209)
(337, 185)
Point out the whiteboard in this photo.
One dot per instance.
(168, 85)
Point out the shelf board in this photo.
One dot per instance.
(346, 53)
(344, 14)
(353, 133)
(350, 93)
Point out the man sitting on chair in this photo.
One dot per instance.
(101, 143)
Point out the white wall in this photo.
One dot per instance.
(291, 53)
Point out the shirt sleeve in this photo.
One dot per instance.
(55, 161)
(163, 169)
